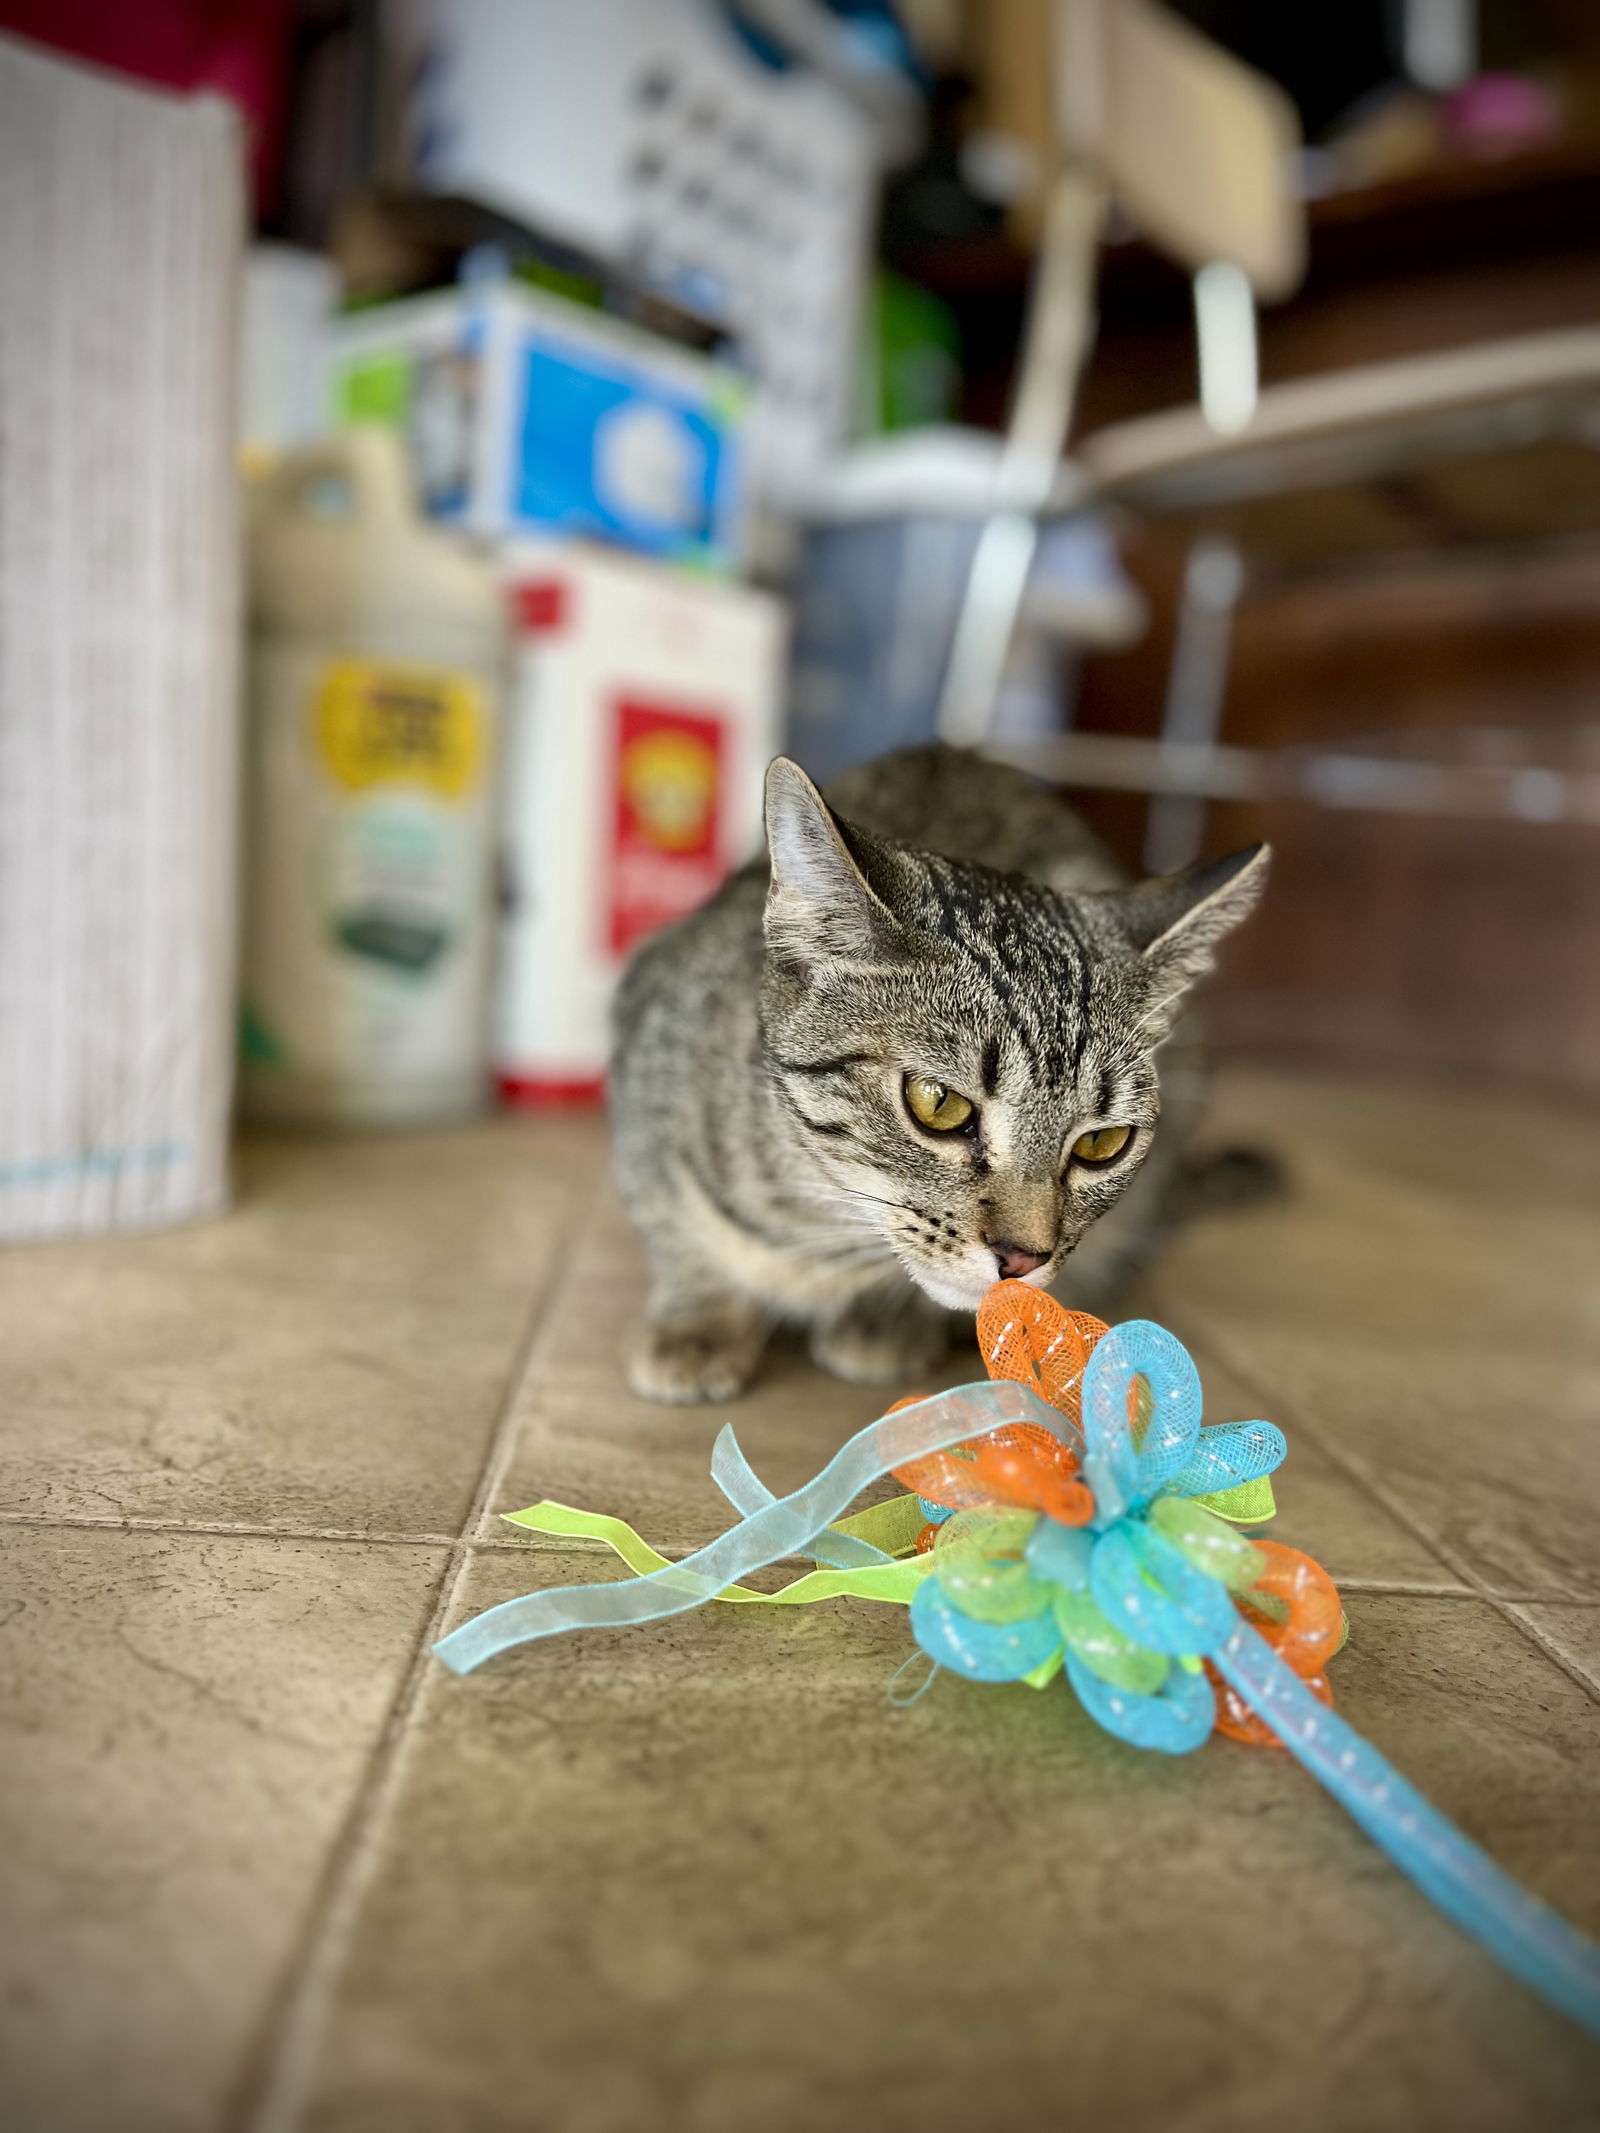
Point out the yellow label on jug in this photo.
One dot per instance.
(378, 724)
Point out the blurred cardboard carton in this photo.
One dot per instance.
(644, 710)
(525, 414)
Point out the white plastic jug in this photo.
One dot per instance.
(375, 671)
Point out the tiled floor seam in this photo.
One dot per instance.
(1355, 1470)
(1416, 1589)
(244, 1529)
(552, 1544)
(1547, 1644)
(277, 2084)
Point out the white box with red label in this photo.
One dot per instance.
(644, 709)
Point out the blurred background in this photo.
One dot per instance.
(450, 445)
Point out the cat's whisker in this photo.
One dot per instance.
(833, 1199)
(834, 1196)
(852, 1238)
(851, 1231)
(876, 1199)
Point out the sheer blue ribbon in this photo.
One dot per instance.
(747, 1492)
(1152, 1593)
(780, 1528)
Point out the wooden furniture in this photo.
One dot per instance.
(1145, 111)
(1462, 657)
(1495, 446)
(1426, 639)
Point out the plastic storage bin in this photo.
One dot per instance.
(883, 569)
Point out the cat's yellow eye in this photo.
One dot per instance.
(931, 1104)
(1101, 1146)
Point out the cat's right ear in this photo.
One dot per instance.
(820, 908)
(1175, 922)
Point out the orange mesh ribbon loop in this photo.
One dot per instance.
(1028, 1337)
(1294, 1605)
(1020, 1464)
(1032, 1340)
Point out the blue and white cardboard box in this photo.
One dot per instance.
(526, 414)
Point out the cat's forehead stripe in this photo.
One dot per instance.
(1003, 926)
(999, 925)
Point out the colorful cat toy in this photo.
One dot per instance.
(1072, 1514)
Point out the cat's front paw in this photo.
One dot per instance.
(680, 1361)
(864, 1348)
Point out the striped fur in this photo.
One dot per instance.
(942, 917)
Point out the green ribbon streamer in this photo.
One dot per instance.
(895, 1582)
(1252, 1503)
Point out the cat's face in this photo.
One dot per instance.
(968, 1058)
(978, 1140)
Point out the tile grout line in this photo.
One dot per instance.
(1414, 1589)
(552, 1544)
(352, 1536)
(277, 2087)
(1513, 1610)
(220, 1529)
(244, 1529)
(1355, 1470)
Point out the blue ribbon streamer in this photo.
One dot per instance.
(747, 1492)
(1532, 1941)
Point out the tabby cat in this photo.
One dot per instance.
(912, 1051)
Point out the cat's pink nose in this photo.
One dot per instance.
(1015, 1260)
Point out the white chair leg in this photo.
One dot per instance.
(1197, 685)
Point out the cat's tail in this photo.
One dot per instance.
(1218, 1180)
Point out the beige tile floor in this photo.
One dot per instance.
(266, 1868)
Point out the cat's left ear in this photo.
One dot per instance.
(1175, 922)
